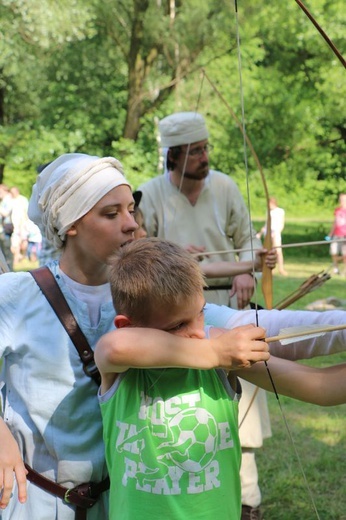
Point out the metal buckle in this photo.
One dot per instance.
(66, 496)
(92, 371)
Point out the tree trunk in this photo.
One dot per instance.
(134, 103)
(136, 71)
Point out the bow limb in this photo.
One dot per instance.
(322, 32)
(267, 275)
(3, 264)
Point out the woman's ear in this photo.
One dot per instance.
(121, 321)
(72, 231)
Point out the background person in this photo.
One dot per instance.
(277, 217)
(214, 269)
(20, 222)
(338, 231)
(6, 225)
(34, 238)
(203, 210)
(196, 207)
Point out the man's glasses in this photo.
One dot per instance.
(198, 152)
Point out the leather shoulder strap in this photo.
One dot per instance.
(51, 290)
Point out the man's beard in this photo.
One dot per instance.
(199, 174)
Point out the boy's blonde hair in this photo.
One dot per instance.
(150, 273)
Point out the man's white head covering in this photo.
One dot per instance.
(182, 128)
(68, 188)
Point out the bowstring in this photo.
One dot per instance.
(173, 220)
(188, 146)
(242, 104)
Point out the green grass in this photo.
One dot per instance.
(319, 437)
(319, 434)
(304, 231)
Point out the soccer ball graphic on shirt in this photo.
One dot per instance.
(194, 441)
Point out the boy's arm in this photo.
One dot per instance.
(322, 386)
(274, 320)
(133, 347)
(11, 464)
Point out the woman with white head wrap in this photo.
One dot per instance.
(68, 188)
(51, 417)
(83, 204)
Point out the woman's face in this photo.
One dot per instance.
(107, 226)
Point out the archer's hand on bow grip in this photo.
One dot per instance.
(267, 275)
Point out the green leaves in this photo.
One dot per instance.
(92, 76)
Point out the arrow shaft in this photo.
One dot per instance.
(283, 246)
(319, 330)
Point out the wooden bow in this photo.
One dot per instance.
(267, 275)
(264, 282)
(3, 264)
(322, 32)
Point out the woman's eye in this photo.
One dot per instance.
(111, 215)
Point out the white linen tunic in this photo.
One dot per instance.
(49, 404)
(218, 221)
(273, 321)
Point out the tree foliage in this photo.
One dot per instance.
(95, 76)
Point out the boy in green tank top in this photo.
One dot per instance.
(170, 415)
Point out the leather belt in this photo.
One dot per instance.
(82, 496)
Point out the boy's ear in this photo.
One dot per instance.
(121, 321)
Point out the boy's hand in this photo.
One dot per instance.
(240, 347)
(11, 464)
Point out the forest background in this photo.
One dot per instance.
(96, 76)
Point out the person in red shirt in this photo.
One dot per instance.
(338, 232)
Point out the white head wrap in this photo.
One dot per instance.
(182, 128)
(68, 188)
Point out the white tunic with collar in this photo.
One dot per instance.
(49, 404)
(218, 221)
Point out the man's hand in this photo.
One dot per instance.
(194, 250)
(243, 286)
(11, 464)
(240, 347)
(269, 257)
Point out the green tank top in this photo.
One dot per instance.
(172, 446)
